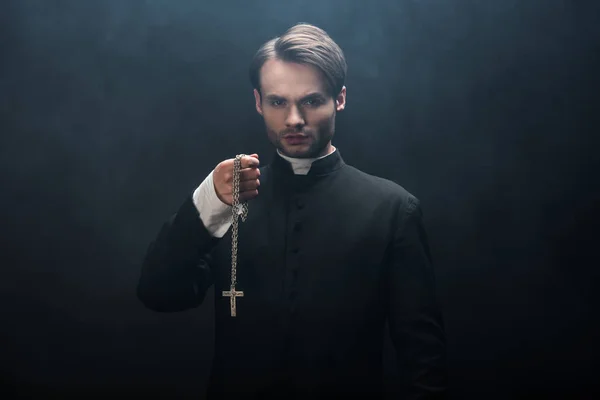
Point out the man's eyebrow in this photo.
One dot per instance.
(312, 95)
(272, 96)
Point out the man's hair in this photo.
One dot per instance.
(304, 44)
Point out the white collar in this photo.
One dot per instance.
(301, 166)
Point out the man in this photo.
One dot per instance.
(326, 255)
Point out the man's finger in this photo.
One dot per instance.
(249, 185)
(249, 174)
(250, 161)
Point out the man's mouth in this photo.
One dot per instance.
(287, 135)
(295, 138)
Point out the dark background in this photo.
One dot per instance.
(113, 111)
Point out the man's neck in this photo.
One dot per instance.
(301, 166)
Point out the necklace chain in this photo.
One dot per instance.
(236, 208)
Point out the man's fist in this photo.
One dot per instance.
(249, 182)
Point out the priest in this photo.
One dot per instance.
(308, 255)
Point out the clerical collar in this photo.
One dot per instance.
(309, 166)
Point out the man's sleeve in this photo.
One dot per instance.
(415, 319)
(176, 268)
(215, 215)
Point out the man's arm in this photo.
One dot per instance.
(415, 320)
(176, 269)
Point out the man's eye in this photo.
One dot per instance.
(276, 103)
(312, 102)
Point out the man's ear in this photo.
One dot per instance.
(340, 101)
(258, 102)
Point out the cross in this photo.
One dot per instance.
(232, 294)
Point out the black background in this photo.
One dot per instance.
(113, 111)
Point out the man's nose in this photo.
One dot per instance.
(294, 117)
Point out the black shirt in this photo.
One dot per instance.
(324, 259)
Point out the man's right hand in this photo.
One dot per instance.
(249, 182)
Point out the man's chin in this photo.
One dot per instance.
(303, 151)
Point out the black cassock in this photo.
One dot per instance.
(324, 259)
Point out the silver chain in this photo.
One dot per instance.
(236, 206)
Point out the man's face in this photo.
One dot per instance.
(298, 111)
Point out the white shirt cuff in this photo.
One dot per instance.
(215, 215)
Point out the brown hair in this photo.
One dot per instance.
(305, 44)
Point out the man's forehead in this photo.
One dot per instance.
(282, 78)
